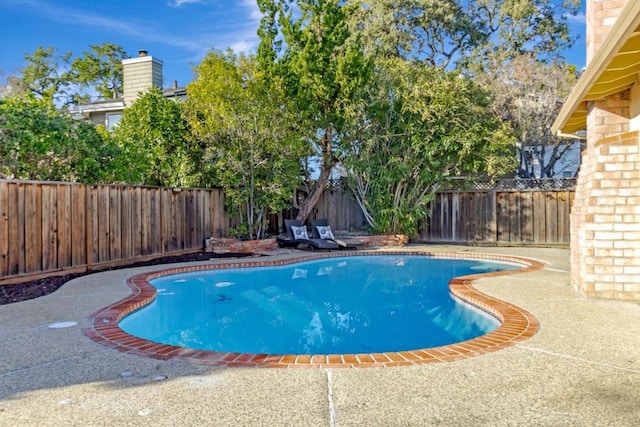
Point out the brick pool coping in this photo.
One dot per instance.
(517, 324)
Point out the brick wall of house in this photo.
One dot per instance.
(605, 238)
(609, 116)
(605, 220)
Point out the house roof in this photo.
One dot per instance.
(175, 92)
(614, 68)
(86, 110)
(118, 104)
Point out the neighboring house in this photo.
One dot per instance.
(138, 75)
(542, 155)
(549, 161)
(605, 220)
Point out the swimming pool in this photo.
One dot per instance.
(356, 304)
(517, 324)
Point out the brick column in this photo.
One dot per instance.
(601, 15)
(605, 220)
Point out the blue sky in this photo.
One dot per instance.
(179, 32)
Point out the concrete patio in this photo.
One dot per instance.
(581, 369)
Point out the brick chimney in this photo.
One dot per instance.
(140, 74)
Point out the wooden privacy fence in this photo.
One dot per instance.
(47, 227)
(508, 211)
(339, 208)
(501, 216)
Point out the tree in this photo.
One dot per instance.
(37, 142)
(434, 32)
(419, 126)
(45, 76)
(5, 87)
(307, 43)
(251, 139)
(463, 33)
(56, 78)
(154, 140)
(101, 69)
(527, 94)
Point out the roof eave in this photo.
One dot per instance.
(626, 24)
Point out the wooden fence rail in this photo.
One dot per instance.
(50, 227)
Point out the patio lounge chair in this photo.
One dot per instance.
(297, 235)
(322, 229)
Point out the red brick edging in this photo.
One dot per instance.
(517, 323)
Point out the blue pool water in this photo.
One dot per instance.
(353, 304)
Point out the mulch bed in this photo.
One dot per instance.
(10, 293)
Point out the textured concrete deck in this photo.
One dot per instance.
(581, 368)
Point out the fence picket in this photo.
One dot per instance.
(48, 234)
(491, 227)
(526, 225)
(16, 219)
(126, 224)
(63, 225)
(33, 227)
(79, 233)
(539, 221)
(551, 225)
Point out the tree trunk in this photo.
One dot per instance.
(310, 202)
(327, 162)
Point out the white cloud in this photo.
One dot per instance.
(252, 7)
(580, 18)
(87, 19)
(238, 31)
(179, 3)
(245, 38)
(242, 46)
(75, 16)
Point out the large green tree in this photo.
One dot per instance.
(252, 141)
(154, 139)
(446, 33)
(419, 126)
(45, 75)
(38, 142)
(100, 68)
(307, 43)
(60, 79)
